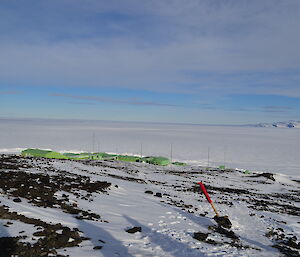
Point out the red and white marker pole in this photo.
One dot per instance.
(207, 197)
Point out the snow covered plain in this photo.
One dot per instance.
(256, 149)
(83, 208)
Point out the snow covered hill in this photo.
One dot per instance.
(100, 208)
(288, 124)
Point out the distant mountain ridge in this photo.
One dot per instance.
(283, 124)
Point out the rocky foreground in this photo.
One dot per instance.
(113, 208)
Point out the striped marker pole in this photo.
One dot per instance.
(207, 197)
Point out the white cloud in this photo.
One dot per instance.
(215, 37)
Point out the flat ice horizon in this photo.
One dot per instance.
(257, 149)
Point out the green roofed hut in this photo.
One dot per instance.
(43, 154)
(159, 160)
(162, 161)
(222, 167)
(90, 156)
(128, 158)
(179, 163)
(106, 156)
(77, 156)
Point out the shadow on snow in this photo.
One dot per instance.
(7, 244)
(111, 247)
(166, 243)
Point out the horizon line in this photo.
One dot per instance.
(131, 121)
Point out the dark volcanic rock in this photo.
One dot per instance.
(210, 189)
(8, 246)
(292, 242)
(223, 221)
(286, 245)
(158, 195)
(228, 233)
(40, 189)
(266, 175)
(134, 230)
(200, 236)
(286, 250)
(50, 238)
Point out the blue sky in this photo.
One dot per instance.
(209, 62)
